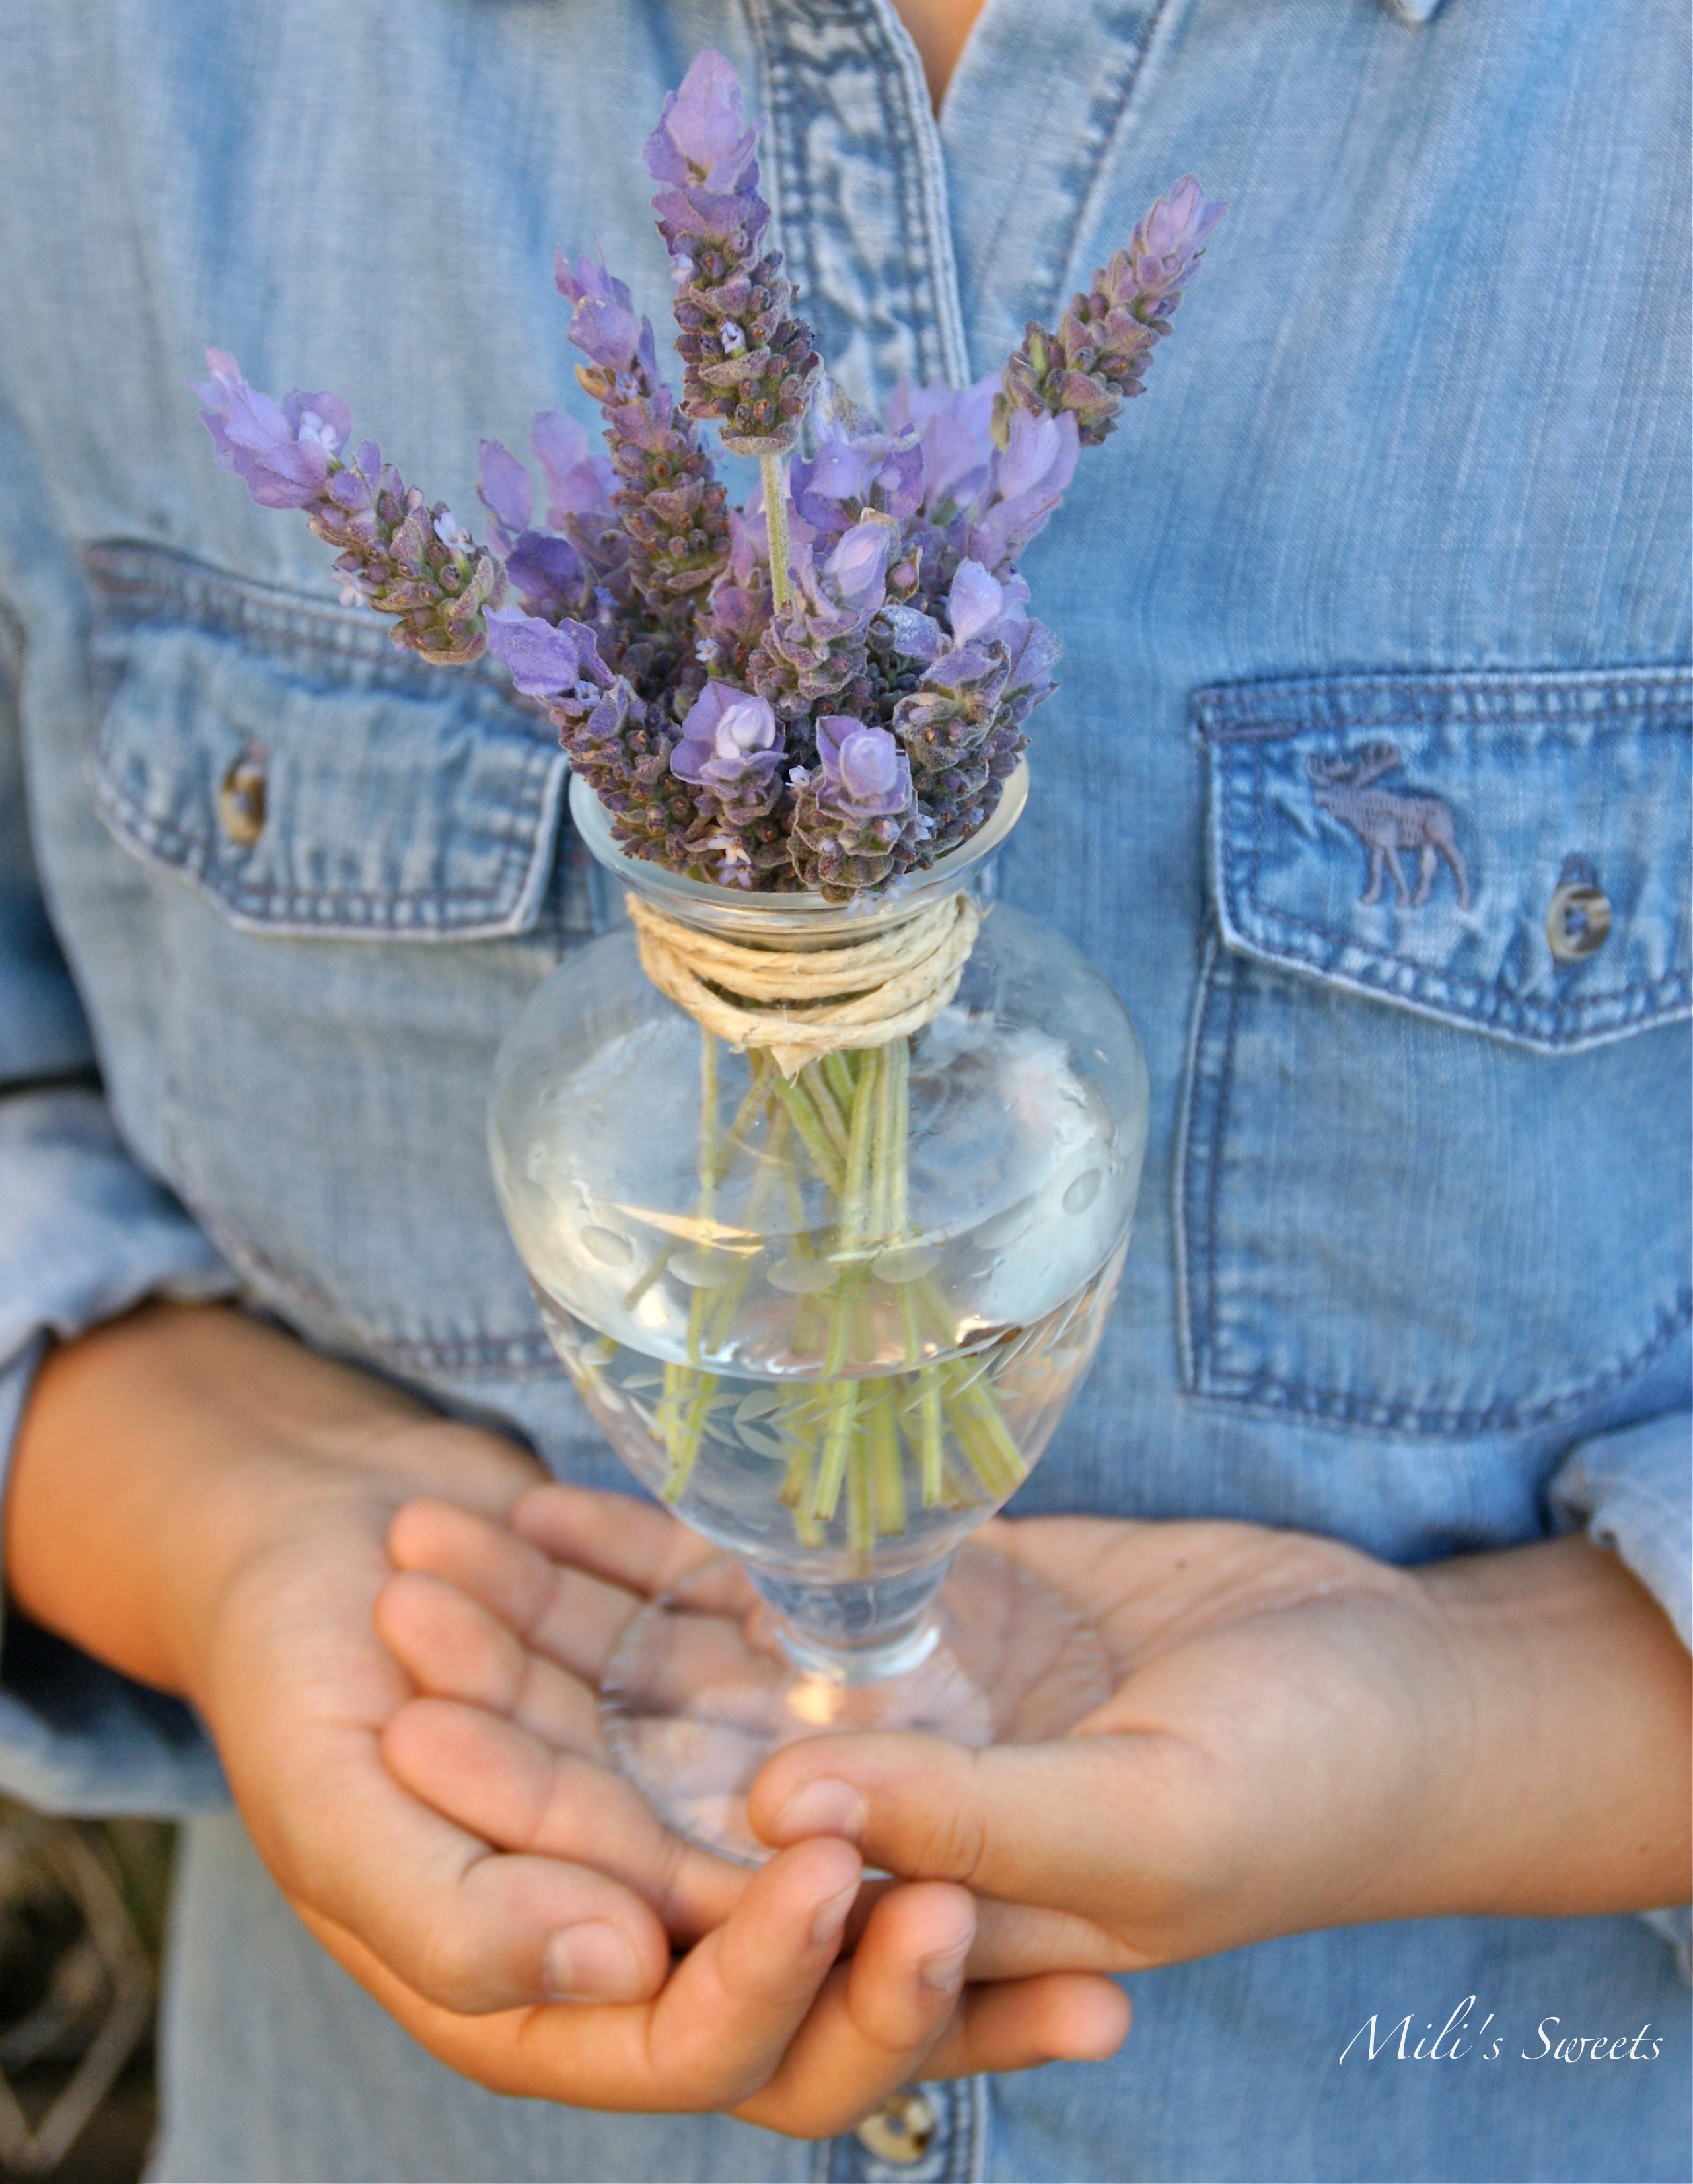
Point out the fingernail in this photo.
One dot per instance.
(825, 1806)
(830, 1916)
(593, 1962)
(945, 1971)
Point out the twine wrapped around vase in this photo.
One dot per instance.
(800, 1005)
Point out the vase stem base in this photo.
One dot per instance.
(708, 1682)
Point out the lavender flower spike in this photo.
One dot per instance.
(750, 364)
(404, 559)
(1098, 357)
(670, 506)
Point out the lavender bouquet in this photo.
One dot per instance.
(820, 694)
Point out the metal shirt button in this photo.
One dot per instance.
(1579, 918)
(901, 2130)
(241, 800)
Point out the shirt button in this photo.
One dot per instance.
(901, 2130)
(241, 800)
(1579, 918)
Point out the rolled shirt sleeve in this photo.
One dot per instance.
(1632, 1491)
(84, 1236)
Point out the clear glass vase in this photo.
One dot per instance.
(831, 1321)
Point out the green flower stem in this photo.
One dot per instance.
(773, 471)
(847, 1440)
(813, 1134)
(837, 1071)
(830, 1112)
(719, 1307)
(732, 1140)
(883, 1433)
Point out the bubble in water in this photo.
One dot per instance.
(703, 1270)
(802, 1276)
(905, 1263)
(1005, 1227)
(607, 1246)
(1083, 1192)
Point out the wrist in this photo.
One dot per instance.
(164, 1456)
(1569, 1797)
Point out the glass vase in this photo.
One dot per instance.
(831, 1320)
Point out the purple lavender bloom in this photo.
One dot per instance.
(603, 325)
(975, 603)
(1166, 243)
(856, 570)
(543, 660)
(702, 137)
(551, 579)
(1034, 651)
(855, 822)
(731, 743)
(1028, 478)
(915, 635)
(864, 771)
(851, 473)
(506, 491)
(283, 452)
(578, 482)
(955, 429)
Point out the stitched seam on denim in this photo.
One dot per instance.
(530, 1351)
(1427, 974)
(1324, 704)
(1109, 103)
(783, 78)
(896, 124)
(1219, 1123)
(1328, 1405)
(791, 191)
(516, 844)
(924, 212)
(1181, 1174)
(134, 582)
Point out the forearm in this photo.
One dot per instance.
(1571, 1795)
(160, 1454)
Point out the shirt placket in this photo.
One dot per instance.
(854, 168)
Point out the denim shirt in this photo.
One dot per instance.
(1376, 626)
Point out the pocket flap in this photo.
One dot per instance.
(288, 762)
(1505, 851)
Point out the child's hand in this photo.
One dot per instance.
(205, 1504)
(505, 1646)
(1301, 1737)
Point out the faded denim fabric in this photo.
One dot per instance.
(1394, 558)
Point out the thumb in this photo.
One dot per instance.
(1037, 1824)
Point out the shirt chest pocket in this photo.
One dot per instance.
(1433, 1176)
(350, 874)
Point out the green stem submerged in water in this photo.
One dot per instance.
(933, 1432)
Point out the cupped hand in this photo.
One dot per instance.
(1299, 1736)
(1252, 1669)
(504, 1627)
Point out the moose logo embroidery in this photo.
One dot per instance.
(1387, 820)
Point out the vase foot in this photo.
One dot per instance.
(705, 1685)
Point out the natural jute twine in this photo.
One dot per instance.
(800, 1005)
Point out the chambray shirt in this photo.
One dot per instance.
(1392, 557)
